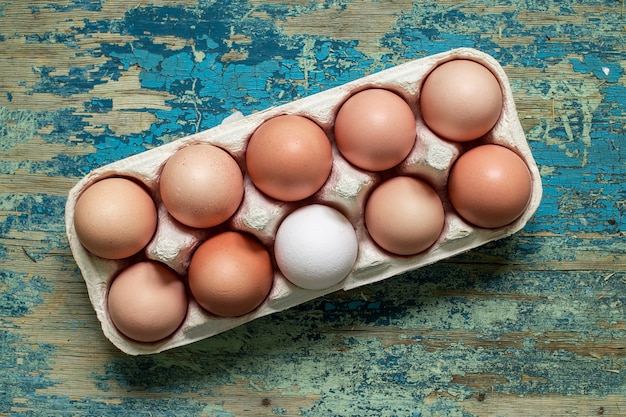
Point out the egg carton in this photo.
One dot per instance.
(346, 189)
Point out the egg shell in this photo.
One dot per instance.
(115, 218)
(230, 274)
(375, 129)
(289, 157)
(489, 186)
(404, 215)
(201, 185)
(315, 247)
(346, 189)
(147, 301)
(461, 100)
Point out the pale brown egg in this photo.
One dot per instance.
(289, 157)
(490, 186)
(147, 301)
(115, 218)
(461, 100)
(230, 274)
(375, 129)
(201, 185)
(404, 215)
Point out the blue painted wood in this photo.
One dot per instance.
(533, 325)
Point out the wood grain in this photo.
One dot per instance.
(533, 325)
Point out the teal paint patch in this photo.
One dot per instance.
(99, 105)
(33, 212)
(206, 90)
(143, 58)
(593, 201)
(26, 374)
(19, 292)
(36, 212)
(78, 80)
(20, 126)
(584, 145)
(51, 38)
(45, 212)
(420, 307)
(16, 126)
(284, 351)
(603, 70)
(432, 33)
(56, 127)
(615, 94)
(111, 148)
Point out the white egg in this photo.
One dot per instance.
(315, 247)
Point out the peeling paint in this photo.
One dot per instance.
(539, 315)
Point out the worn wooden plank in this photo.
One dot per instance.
(529, 326)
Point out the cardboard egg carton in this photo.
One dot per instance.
(346, 189)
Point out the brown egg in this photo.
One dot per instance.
(461, 100)
(147, 301)
(230, 274)
(289, 157)
(375, 129)
(404, 215)
(490, 186)
(201, 185)
(115, 218)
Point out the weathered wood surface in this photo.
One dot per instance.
(534, 325)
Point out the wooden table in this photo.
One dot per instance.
(532, 325)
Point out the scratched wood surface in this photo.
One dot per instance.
(533, 325)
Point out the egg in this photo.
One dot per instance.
(147, 301)
(289, 157)
(315, 247)
(336, 191)
(115, 218)
(490, 186)
(230, 274)
(404, 215)
(461, 100)
(375, 129)
(201, 185)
